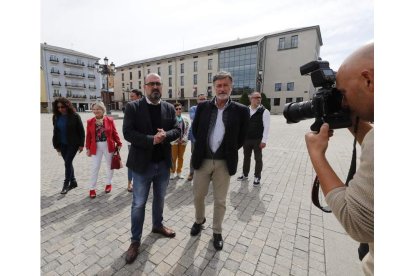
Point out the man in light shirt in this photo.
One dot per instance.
(256, 138)
(219, 128)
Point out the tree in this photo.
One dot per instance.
(265, 101)
(244, 99)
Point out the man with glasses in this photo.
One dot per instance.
(201, 98)
(256, 138)
(219, 127)
(149, 125)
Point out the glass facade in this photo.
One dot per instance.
(241, 62)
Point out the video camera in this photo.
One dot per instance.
(326, 105)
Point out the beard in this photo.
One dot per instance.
(155, 95)
(222, 96)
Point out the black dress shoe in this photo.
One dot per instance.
(218, 241)
(65, 188)
(73, 184)
(195, 230)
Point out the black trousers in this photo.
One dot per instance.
(68, 154)
(249, 146)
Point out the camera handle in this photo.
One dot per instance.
(351, 172)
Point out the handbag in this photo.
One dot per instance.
(116, 160)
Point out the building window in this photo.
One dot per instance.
(288, 100)
(210, 64)
(195, 66)
(130, 75)
(169, 81)
(170, 93)
(122, 76)
(159, 71)
(294, 41)
(149, 70)
(276, 101)
(278, 86)
(170, 70)
(139, 74)
(282, 43)
(130, 85)
(195, 79)
(182, 68)
(182, 80)
(290, 86)
(209, 77)
(182, 93)
(299, 99)
(139, 85)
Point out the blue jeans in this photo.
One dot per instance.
(68, 154)
(158, 174)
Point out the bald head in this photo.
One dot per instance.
(355, 80)
(361, 59)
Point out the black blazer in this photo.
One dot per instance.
(74, 130)
(236, 128)
(137, 130)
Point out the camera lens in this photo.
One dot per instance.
(296, 112)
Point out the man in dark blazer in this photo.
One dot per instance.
(149, 125)
(219, 127)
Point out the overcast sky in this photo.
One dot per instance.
(130, 30)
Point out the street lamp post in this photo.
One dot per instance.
(108, 70)
(259, 81)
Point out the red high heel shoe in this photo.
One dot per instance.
(92, 194)
(108, 188)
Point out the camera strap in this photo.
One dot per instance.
(351, 172)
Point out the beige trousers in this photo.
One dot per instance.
(216, 172)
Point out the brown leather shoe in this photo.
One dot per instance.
(132, 252)
(165, 231)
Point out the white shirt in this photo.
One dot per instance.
(149, 102)
(266, 122)
(217, 134)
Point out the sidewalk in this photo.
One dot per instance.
(271, 230)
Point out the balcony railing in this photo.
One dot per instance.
(73, 63)
(92, 86)
(54, 59)
(91, 66)
(75, 85)
(74, 75)
(91, 76)
(56, 83)
(55, 72)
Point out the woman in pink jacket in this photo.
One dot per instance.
(101, 140)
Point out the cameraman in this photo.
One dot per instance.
(352, 205)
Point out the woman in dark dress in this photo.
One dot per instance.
(68, 138)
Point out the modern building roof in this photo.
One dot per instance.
(229, 44)
(66, 51)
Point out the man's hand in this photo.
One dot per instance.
(317, 143)
(262, 145)
(160, 136)
(88, 153)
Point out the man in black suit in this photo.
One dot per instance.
(219, 127)
(149, 125)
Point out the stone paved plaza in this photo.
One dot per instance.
(269, 230)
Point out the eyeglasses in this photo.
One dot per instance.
(153, 83)
(179, 108)
(61, 107)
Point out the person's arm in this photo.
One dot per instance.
(116, 135)
(266, 125)
(135, 137)
(81, 132)
(175, 131)
(317, 144)
(245, 118)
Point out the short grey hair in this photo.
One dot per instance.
(100, 105)
(152, 74)
(222, 75)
